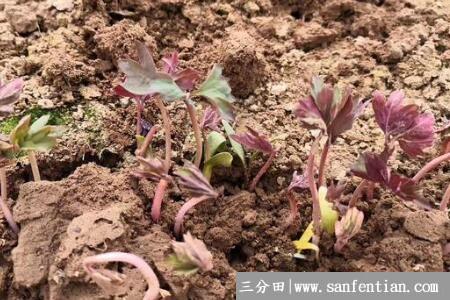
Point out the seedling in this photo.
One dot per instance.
(192, 180)
(347, 227)
(190, 256)
(34, 137)
(9, 94)
(143, 80)
(211, 119)
(413, 132)
(298, 182)
(255, 141)
(330, 110)
(109, 280)
(215, 154)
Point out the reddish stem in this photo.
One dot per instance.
(4, 207)
(148, 140)
(167, 135)
(162, 184)
(158, 199)
(445, 199)
(313, 188)
(138, 117)
(293, 209)
(262, 171)
(183, 210)
(152, 281)
(197, 132)
(430, 166)
(357, 193)
(323, 161)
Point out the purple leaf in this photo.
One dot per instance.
(299, 182)
(372, 167)
(9, 93)
(151, 168)
(193, 181)
(254, 141)
(186, 78)
(211, 119)
(403, 123)
(329, 110)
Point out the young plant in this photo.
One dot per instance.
(347, 227)
(192, 180)
(143, 80)
(330, 110)
(216, 154)
(9, 94)
(34, 137)
(109, 280)
(190, 256)
(298, 182)
(413, 131)
(254, 141)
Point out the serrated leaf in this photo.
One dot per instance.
(235, 146)
(214, 141)
(19, 133)
(218, 92)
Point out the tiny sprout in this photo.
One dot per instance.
(151, 168)
(328, 216)
(255, 141)
(215, 153)
(304, 243)
(194, 182)
(190, 256)
(348, 227)
(109, 280)
(34, 137)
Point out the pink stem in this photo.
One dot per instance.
(262, 171)
(293, 208)
(183, 210)
(323, 161)
(197, 132)
(430, 166)
(152, 281)
(5, 209)
(314, 192)
(158, 198)
(357, 193)
(138, 117)
(445, 199)
(148, 140)
(162, 185)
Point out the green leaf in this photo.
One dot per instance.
(181, 267)
(168, 89)
(222, 159)
(19, 133)
(328, 215)
(214, 141)
(39, 124)
(45, 144)
(236, 147)
(218, 92)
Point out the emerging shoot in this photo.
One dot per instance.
(190, 256)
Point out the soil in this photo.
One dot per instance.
(67, 52)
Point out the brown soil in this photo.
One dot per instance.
(269, 49)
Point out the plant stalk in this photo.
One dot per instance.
(163, 183)
(34, 165)
(183, 210)
(3, 204)
(293, 206)
(152, 292)
(445, 199)
(357, 193)
(148, 140)
(314, 193)
(262, 171)
(197, 132)
(323, 161)
(430, 166)
(139, 108)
